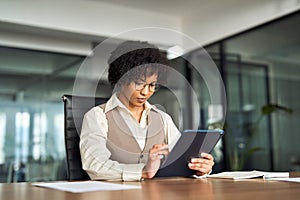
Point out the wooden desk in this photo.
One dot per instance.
(165, 189)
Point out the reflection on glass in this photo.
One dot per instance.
(2, 137)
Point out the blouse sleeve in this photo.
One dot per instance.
(96, 157)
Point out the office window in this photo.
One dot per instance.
(31, 118)
(58, 139)
(39, 135)
(22, 136)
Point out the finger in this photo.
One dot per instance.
(163, 151)
(158, 155)
(163, 154)
(160, 146)
(158, 151)
(200, 167)
(202, 161)
(154, 156)
(207, 156)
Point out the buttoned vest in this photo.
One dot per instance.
(123, 145)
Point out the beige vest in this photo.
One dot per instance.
(123, 145)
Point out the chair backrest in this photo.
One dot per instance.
(74, 109)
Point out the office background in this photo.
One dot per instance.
(254, 44)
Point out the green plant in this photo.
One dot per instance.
(238, 158)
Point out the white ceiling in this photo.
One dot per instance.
(170, 7)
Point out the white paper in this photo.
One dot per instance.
(297, 180)
(249, 174)
(276, 175)
(237, 175)
(86, 186)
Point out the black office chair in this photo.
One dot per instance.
(74, 109)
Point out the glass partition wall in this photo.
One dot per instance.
(248, 130)
(261, 73)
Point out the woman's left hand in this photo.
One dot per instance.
(202, 165)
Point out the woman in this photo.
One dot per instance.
(126, 138)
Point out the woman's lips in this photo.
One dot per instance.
(141, 100)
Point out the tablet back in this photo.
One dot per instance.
(191, 144)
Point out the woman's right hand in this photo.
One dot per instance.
(156, 153)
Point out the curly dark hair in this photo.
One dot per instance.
(134, 60)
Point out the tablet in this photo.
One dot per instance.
(191, 144)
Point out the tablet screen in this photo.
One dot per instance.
(191, 144)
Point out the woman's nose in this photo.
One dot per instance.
(145, 90)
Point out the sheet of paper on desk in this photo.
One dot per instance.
(85, 186)
(235, 175)
(297, 180)
(276, 175)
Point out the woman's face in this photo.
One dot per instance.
(138, 92)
